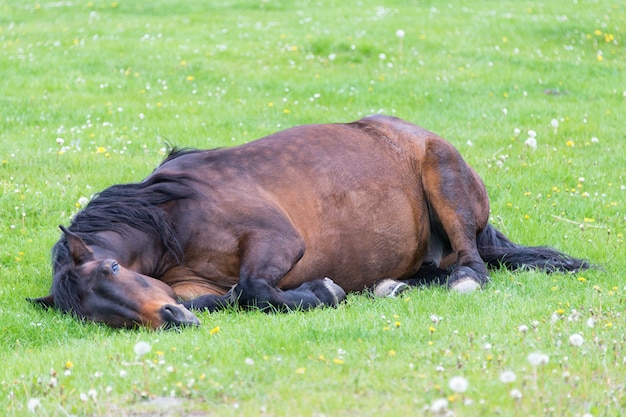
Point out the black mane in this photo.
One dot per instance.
(121, 208)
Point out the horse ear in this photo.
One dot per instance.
(45, 302)
(78, 248)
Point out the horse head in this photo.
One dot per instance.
(104, 291)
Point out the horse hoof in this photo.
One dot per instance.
(465, 285)
(338, 294)
(389, 288)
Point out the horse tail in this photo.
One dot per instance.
(498, 251)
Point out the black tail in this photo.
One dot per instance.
(497, 251)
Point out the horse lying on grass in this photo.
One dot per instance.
(291, 221)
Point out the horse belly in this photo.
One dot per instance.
(363, 236)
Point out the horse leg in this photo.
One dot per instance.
(458, 204)
(266, 256)
(428, 274)
(210, 302)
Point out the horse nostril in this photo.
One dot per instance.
(178, 316)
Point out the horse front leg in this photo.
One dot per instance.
(458, 202)
(266, 257)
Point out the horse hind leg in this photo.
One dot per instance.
(458, 201)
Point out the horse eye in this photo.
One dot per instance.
(115, 267)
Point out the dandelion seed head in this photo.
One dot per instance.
(515, 394)
(439, 405)
(522, 328)
(33, 404)
(458, 384)
(591, 322)
(507, 377)
(576, 340)
(538, 358)
(531, 142)
(141, 348)
(400, 33)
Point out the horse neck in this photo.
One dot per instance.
(141, 253)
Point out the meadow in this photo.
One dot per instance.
(532, 93)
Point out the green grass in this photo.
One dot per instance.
(117, 80)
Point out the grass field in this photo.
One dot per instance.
(532, 93)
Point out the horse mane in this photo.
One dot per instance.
(121, 208)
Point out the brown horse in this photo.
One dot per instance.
(293, 220)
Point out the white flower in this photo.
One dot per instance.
(458, 384)
(531, 142)
(507, 377)
(382, 57)
(83, 201)
(60, 141)
(123, 374)
(515, 394)
(532, 134)
(591, 322)
(538, 358)
(554, 123)
(594, 140)
(332, 57)
(576, 340)
(439, 406)
(522, 328)
(400, 33)
(141, 348)
(92, 394)
(33, 404)
(249, 361)
(517, 131)
(435, 319)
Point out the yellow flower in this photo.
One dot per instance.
(432, 329)
(214, 330)
(582, 279)
(101, 149)
(190, 78)
(392, 352)
(300, 371)
(338, 361)
(69, 365)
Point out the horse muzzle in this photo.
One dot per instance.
(177, 316)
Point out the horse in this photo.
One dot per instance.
(294, 220)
